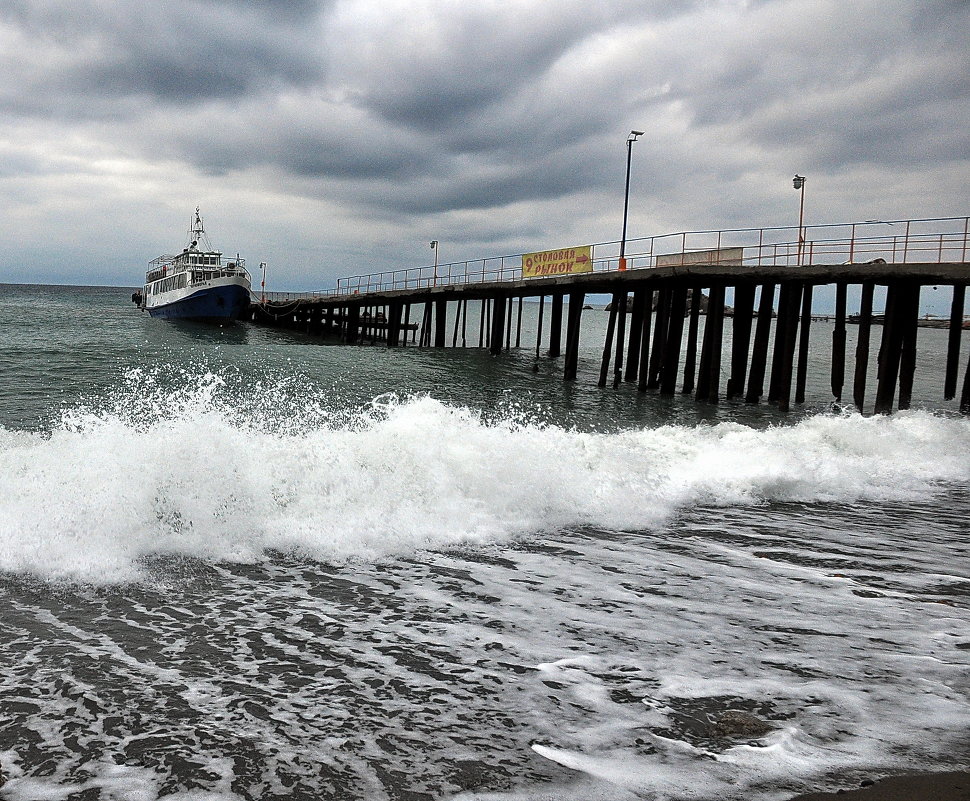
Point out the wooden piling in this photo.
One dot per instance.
(660, 326)
(709, 376)
(481, 323)
(717, 304)
(643, 371)
(573, 323)
(394, 311)
(953, 341)
(790, 341)
(508, 324)
(498, 325)
(889, 351)
(426, 323)
(759, 352)
(458, 318)
(778, 351)
(555, 325)
(440, 317)
(862, 346)
(620, 341)
(352, 325)
(670, 363)
(518, 326)
(907, 356)
(965, 395)
(542, 307)
(608, 343)
(635, 336)
(690, 356)
(703, 388)
(740, 338)
(803, 343)
(838, 341)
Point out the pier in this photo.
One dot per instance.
(662, 289)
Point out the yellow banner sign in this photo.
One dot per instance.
(558, 262)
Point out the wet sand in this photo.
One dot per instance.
(927, 787)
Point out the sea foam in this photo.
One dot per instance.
(193, 471)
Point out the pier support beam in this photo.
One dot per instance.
(459, 321)
(740, 338)
(498, 325)
(573, 322)
(660, 325)
(555, 326)
(636, 335)
(395, 311)
(440, 314)
(709, 377)
(790, 341)
(759, 353)
(803, 342)
(890, 349)
(542, 308)
(620, 341)
(608, 343)
(838, 341)
(690, 357)
(953, 341)
(352, 324)
(778, 350)
(508, 324)
(907, 356)
(644, 367)
(965, 395)
(670, 364)
(862, 347)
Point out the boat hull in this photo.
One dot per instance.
(206, 304)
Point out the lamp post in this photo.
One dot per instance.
(434, 247)
(799, 183)
(262, 266)
(634, 135)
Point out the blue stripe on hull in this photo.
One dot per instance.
(214, 303)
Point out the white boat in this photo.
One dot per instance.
(197, 284)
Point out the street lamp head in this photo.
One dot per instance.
(434, 243)
(798, 181)
(633, 136)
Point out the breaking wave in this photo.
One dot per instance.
(199, 469)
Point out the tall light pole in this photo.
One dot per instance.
(434, 247)
(262, 266)
(634, 135)
(799, 183)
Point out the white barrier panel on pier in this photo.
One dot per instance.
(723, 256)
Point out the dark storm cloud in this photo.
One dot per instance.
(481, 121)
(441, 67)
(89, 54)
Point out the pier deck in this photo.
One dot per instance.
(667, 288)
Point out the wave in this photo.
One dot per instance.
(197, 470)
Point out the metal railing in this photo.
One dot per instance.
(930, 240)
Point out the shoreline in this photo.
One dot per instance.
(950, 786)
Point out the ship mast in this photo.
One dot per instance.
(197, 235)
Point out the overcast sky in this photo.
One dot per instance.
(334, 137)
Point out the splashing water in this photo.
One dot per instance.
(198, 470)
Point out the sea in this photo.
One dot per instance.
(242, 563)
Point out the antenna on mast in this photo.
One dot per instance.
(197, 231)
